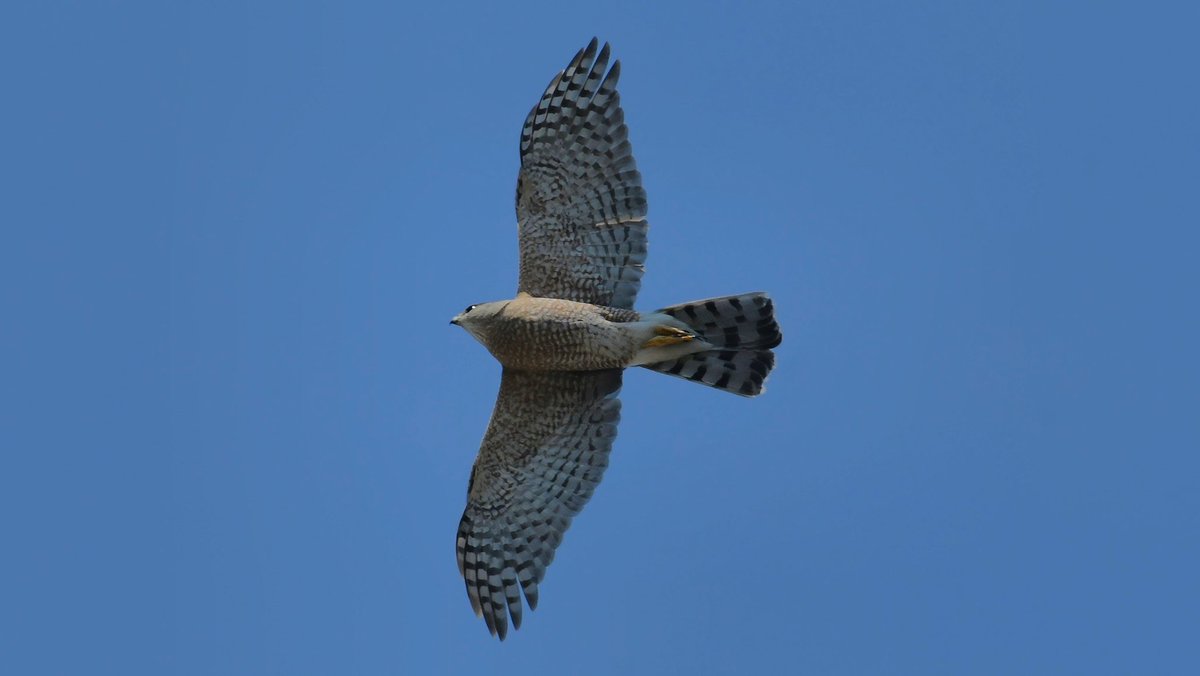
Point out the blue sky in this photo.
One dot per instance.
(237, 428)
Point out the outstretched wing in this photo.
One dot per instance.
(545, 451)
(580, 204)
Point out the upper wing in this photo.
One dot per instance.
(580, 204)
(545, 450)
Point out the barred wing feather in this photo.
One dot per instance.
(580, 204)
(545, 450)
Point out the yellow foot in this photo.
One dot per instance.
(668, 335)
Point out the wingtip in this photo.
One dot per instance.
(531, 595)
(583, 57)
(491, 623)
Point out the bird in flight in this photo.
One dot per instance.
(569, 333)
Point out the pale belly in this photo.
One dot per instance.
(544, 334)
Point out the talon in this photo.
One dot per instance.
(668, 335)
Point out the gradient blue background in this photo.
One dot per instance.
(237, 428)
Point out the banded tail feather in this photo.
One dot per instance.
(742, 328)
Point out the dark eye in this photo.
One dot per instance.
(469, 308)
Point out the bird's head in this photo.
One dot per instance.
(477, 318)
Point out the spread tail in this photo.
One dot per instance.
(743, 330)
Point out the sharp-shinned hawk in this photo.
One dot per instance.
(565, 338)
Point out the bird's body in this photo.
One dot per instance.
(552, 334)
(566, 337)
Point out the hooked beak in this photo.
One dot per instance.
(454, 321)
